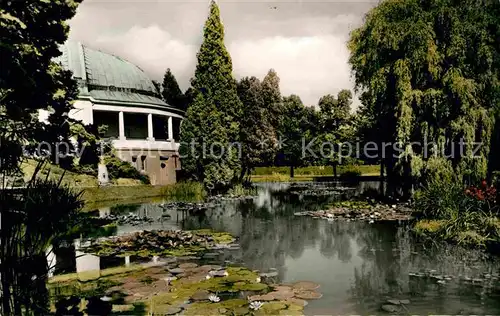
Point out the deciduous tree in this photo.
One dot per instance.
(258, 136)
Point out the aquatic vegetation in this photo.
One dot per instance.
(188, 292)
(361, 210)
(150, 243)
(240, 190)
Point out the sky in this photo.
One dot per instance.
(304, 41)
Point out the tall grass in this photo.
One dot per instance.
(32, 217)
(184, 191)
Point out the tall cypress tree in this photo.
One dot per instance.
(212, 119)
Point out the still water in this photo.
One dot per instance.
(358, 265)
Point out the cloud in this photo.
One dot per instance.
(154, 50)
(307, 50)
(307, 66)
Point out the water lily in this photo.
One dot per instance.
(208, 277)
(214, 298)
(256, 305)
(105, 298)
(258, 280)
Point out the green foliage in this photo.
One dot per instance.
(334, 128)
(257, 134)
(456, 215)
(118, 168)
(291, 131)
(429, 70)
(30, 80)
(89, 144)
(212, 119)
(171, 92)
(272, 99)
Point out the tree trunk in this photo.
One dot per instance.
(292, 171)
(334, 165)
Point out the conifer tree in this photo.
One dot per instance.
(211, 126)
(171, 92)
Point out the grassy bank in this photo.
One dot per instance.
(96, 197)
(70, 178)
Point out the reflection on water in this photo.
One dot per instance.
(359, 265)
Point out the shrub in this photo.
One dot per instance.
(466, 216)
(350, 172)
(118, 168)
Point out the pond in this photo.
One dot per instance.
(359, 265)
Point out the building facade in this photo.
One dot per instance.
(144, 130)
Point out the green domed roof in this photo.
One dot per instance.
(105, 77)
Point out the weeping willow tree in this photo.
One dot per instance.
(429, 73)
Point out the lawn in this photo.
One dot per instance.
(282, 174)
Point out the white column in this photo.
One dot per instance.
(150, 127)
(121, 126)
(170, 128)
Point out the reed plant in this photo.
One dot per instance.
(32, 217)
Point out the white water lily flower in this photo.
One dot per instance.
(256, 305)
(105, 298)
(258, 280)
(214, 298)
(208, 277)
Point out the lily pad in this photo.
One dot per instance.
(390, 308)
(273, 306)
(241, 311)
(188, 265)
(269, 274)
(200, 295)
(290, 312)
(167, 310)
(296, 302)
(308, 295)
(398, 302)
(305, 285)
(176, 270)
(283, 294)
(241, 286)
(265, 297)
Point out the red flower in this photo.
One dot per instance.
(484, 184)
